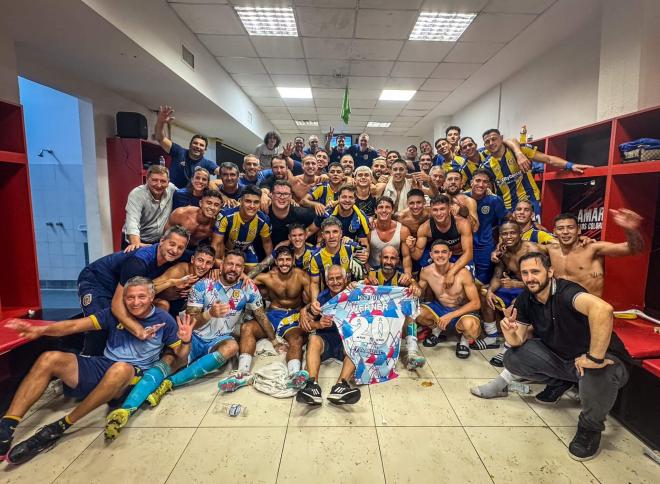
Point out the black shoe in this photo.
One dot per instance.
(462, 351)
(310, 394)
(342, 393)
(551, 394)
(432, 340)
(498, 360)
(5, 445)
(44, 439)
(585, 445)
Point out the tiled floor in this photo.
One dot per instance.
(418, 428)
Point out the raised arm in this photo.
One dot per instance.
(26, 329)
(629, 221)
(164, 117)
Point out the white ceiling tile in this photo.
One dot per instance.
(328, 81)
(473, 52)
(325, 22)
(388, 107)
(430, 95)
(290, 81)
(413, 69)
(391, 4)
(361, 111)
(328, 93)
(209, 19)
(288, 47)
(228, 45)
(328, 103)
(358, 119)
(332, 110)
(463, 6)
(299, 103)
(266, 92)
(285, 66)
(327, 48)
(364, 93)
(455, 70)
(362, 103)
(324, 3)
(403, 124)
(282, 122)
(370, 68)
(197, 1)
(259, 80)
(496, 27)
(328, 67)
(421, 104)
(385, 24)
(302, 111)
(441, 84)
(242, 65)
(250, 3)
(415, 112)
(423, 51)
(364, 49)
(275, 112)
(403, 83)
(396, 130)
(518, 6)
(355, 82)
(267, 102)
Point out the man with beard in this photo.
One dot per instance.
(380, 170)
(470, 152)
(191, 195)
(455, 303)
(303, 184)
(362, 153)
(101, 283)
(416, 213)
(287, 289)
(252, 172)
(325, 343)
(560, 333)
(338, 152)
(93, 380)
(411, 159)
(313, 142)
(184, 161)
(198, 221)
(173, 286)
(524, 216)
(239, 227)
(461, 203)
(347, 164)
(324, 196)
(279, 171)
(389, 233)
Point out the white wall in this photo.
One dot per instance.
(477, 116)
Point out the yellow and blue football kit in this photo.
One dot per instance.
(240, 234)
(511, 183)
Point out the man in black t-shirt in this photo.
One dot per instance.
(560, 334)
(282, 213)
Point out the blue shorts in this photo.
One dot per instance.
(483, 267)
(439, 310)
(200, 346)
(427, 261)
(91, 370)
(92, 297)
(332, 345)
(506, 296)
(284, 320)
(251, 257)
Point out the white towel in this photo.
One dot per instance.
(272, 379)
(390, 191)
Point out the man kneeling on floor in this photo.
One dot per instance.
(325, 343)
(95, 379)
(560, 333)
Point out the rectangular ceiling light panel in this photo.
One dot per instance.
(377, 124)
(295, 92)
(306, 122)
(272, 21)
(441, 26)
(396, 95)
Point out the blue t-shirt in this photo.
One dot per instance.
(491, 213)
(183, 197)
(123, 346)
(261, 176)
(183, 167)
(362, 158)
(335, 155)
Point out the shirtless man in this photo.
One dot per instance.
(416, 213)
(199, 221)
(302, 184)
(524, 216)
(461, 204)
(324, 196)
(287, 289)
(505, 285)
(173, 287)
(347, 164)
(456, 300)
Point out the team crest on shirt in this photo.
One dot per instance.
(119, 326)
(87, 299)
(485, 209)
(343, 260)
(236, 294)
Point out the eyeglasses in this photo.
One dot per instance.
(281, 195)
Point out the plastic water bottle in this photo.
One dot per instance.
(235, 409)
(161, 160)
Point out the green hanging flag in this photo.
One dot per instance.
(346, 107)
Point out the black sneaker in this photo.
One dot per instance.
(5, 445)
(342, 393)
(433, 340)
(585, 445)
(310, 394)
(551, 394)
(45, 438)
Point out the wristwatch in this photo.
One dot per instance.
(594, 359)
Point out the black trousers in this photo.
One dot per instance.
(598, 387)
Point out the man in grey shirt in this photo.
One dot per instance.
(268, 149)
(147, 209)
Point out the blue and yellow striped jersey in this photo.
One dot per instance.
(468, 169)
(355, 226)
(303, 261)
(323, 259)
(538, 236)
(238, 233)
(511, 183)
(382, 281)
(323, 193)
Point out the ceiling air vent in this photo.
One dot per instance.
(187, 56)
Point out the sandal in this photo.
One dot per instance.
(462, 351)
(433, 340)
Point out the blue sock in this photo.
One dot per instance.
(198, 368)
(151, 379)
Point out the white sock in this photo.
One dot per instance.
(507, 376)
(464, 341)
(293, 366)
(411, 343)
(244, 362)
(506, 347)
(490, 328)
(436, 331)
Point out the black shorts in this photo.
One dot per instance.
(91, 370)
(332, 346)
